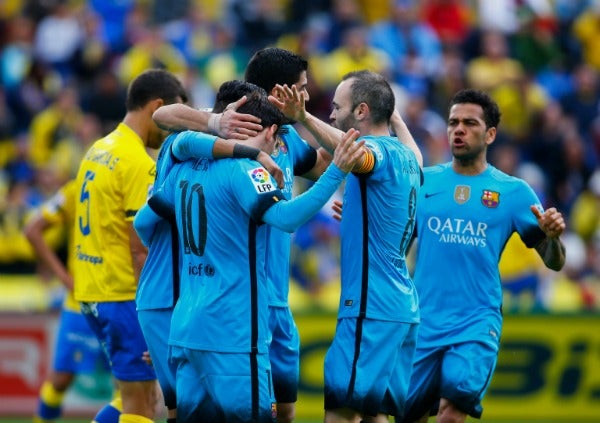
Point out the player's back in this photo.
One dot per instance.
(113, 182)
(158, 287)
(377, 225)
(223, 295)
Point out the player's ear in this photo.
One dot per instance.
(155, 104)
(361, 111)
(271, 133)
(490, 135)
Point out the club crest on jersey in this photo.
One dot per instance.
(280, 148)
(490, 199)
(261, 180)
(273, 410)
(462, 193)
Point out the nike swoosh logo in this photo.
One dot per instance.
(431, 194)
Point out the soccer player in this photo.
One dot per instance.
(467, 210)
(114, 179)
(268, 68)
(367, 367)
(158, 287)
(219, 333)
(77, 350)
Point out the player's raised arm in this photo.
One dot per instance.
(289, 215)
(229, 124)
(291, 102)
(404, 136)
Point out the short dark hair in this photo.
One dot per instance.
(153, 84)
(374, 90)
(259, 105)
(491, 112)
(231, 91)
(271, 66)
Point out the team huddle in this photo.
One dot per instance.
(181, 267)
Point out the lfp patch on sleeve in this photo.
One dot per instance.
(262, 180)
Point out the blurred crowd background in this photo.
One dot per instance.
(65, 66)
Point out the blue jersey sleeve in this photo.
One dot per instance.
(289, 215)
(193, 145)
(144, 223)
(525, 222)
(157, 207)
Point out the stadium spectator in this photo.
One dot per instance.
(404, 37)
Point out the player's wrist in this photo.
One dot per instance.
(214, 123)
(241, 151)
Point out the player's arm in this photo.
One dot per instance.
(289, 215)
(229, 124)
(190, 145)
(323, 159)
(138, 251)
(292, 104)
(550, 248)
(144, 223)
(34, 232)
(404, 136)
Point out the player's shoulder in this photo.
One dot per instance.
(437, 169)
(506, 179)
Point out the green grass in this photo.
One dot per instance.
(24, 420)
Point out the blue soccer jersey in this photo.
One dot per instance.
(158, 286)
(463, 223)
(223, 286)
(294, 156)
(377, 225)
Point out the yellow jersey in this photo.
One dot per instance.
(60, 211)
(113, 182)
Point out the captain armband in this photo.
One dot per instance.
(368, 162)
(241, 151)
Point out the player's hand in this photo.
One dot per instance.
(337, 210)
(239, 126)
(290, 101)
(268, 163)
(348, 152)
(146, 358)
(67, 281)
(551, 221)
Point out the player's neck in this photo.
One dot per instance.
(469, 168)
(139, 124)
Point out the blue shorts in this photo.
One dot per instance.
(217, 387)
(368, 366)
(284, 354)
(77, 349)
(460, 373)
(116, 327)
(156, 326)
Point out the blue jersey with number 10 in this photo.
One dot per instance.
(223, 295)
